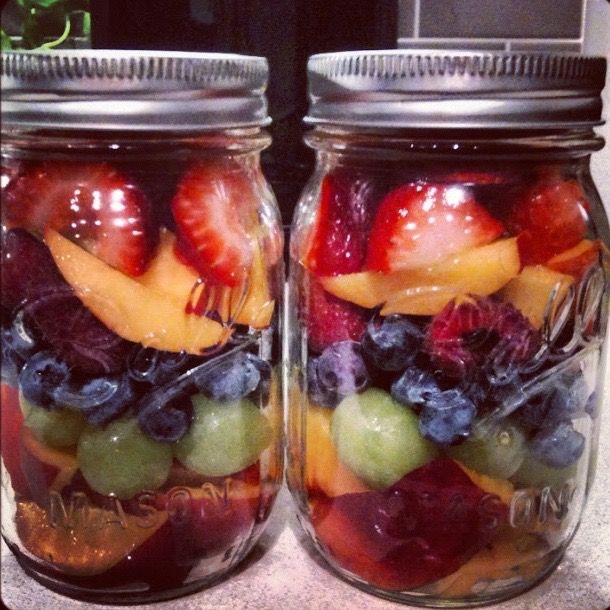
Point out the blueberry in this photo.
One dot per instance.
(592, 406)
(11, 361)
(148, 365)
(447, 417)
(565, 400)
(264, 387)
(415, 387)
(568, 401)
(392, 343)
(341, 369)
(165, 415)
(231, 378)
(40, 377)
(317, 392)
(558, 446)
(100, 399)
(19, 342)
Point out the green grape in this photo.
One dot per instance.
(225, 437)
(119, 459)
(58, 428)
(533, 473)
(378, 438)
(497, 453)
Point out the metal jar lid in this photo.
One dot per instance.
(132, 90)
(455, 89)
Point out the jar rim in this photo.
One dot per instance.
(133, 90)
(432, 88)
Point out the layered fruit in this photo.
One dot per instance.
(141, 416)
(453, 325)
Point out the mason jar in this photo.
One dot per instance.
(449, 301)
(141, 289)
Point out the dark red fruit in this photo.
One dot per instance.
(479, 331)
(27, 269)
(548, 219)
(329, 319)
(420, 224)
(92, 204)
(214, 206)
(10, 434)
(420, 529)
(338, 240)
(76, 335)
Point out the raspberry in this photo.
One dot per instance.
(479, 331)
(329, 319)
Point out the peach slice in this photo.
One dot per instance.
(531, 290)
(257, 307)
(502, 488)
(507, 557)
(577, 260)
(131, 309)
(97, 540)
(323, 469)
(426, 290)
(168, 275)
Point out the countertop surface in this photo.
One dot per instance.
(283, 572)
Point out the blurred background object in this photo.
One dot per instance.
(46, 24)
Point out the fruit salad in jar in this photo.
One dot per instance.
(445, 379)
(141, 416)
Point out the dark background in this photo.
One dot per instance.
(284, 31)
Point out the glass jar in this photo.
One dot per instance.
(449, 300)
(142, 277)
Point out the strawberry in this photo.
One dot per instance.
(419, 224)
(337, 243)
(214, 206)
(329, 319)
(548, 218)
(92, 204)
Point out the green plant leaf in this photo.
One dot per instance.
(6, 41)
(87, 24)
(28, 4)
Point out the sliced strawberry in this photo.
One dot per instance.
(338, 241)
(214, 207)
(329, 319)
(92, 204)
(549, 218)
(419, 224)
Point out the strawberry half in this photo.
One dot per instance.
(212, 207)
(92, 204)
(338, 241)
(549, 218)
(420, 224)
